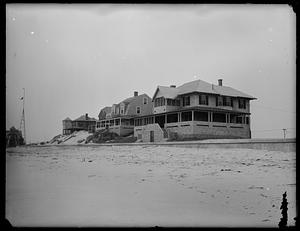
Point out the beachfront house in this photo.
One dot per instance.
(83, 122)
(119, 118)
(196, 109)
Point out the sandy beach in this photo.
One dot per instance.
(148, 186)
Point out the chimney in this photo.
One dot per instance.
(173, 86)
(220, 82)
(86, 116)
(136, 93)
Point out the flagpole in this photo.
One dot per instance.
(24, 115)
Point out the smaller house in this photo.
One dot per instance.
(83, 122)
(67, 126)
(120, 117)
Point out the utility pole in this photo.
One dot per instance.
(284, 132)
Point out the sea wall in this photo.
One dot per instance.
(284, 145)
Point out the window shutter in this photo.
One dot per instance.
(217, 101)
(206, 99)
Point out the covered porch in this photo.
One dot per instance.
(165, 120)
(120, 125)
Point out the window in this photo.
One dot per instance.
(172, 118)
(219, 101)
(247, 120)
(122, 109)
(242, 103)
(138, 110)
(203, 99)
(219, 117)
(200, 116)
(235, 118)
(173, 102)
(186, 116)
(186, 101)
(239, 119)
(145, 100)
(111, 123)
(159, 102)
(227, 101)
(169, 102)
(117, 122)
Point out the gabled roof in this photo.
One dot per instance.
(198, 86)
(83, 118)
(67, 119)
(167, 92)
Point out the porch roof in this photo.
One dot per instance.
(119, 117)
(196, 108)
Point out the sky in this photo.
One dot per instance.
(74, 59)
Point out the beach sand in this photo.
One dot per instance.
(148, 186)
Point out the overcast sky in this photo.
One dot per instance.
(76, 59)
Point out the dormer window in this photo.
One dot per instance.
(122, 110)
(203, 99)
(138, 110)
(145, 100)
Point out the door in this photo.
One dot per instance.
(151, 136)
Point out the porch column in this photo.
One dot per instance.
(179, 116)
(114, 122)
(211, 116)
(165, 118)
(192, 115)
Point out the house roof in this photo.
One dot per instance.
(167, 92)
(67, 119)
(130, 99)
(83, 118)
(229, 91)
(106, 109)
(198, 86)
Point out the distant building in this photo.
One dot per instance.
(119, 118)
(196, 109)
(84, 122)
